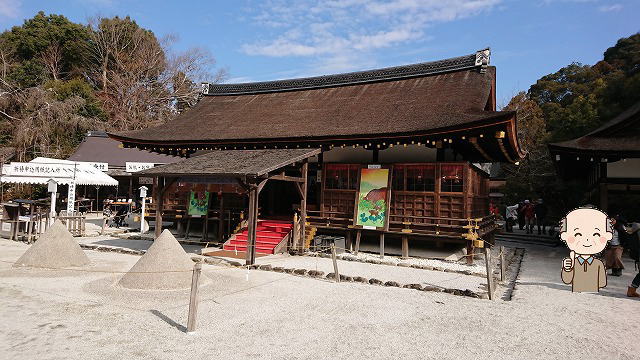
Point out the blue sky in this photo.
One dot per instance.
(275, 39)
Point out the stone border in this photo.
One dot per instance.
(389, 263)
(315, 274)
(513, 282)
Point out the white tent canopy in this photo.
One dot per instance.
(40, 170)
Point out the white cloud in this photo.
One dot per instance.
(342, 34)
(610, 8)
(10, 8)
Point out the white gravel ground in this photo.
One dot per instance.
(81, 315)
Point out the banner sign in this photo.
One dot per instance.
(138, 166)
(71, 197)
(43, 170)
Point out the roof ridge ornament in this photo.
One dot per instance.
(204, 88)
(482, 59)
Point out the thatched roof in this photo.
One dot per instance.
(619, 137)
(232, 163)
(439, 99)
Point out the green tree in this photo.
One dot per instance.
(45, 47)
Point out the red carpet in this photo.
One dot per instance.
(268, 235)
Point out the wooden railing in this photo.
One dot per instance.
(76, 223)
(453, 228)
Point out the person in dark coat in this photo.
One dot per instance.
(541, 213)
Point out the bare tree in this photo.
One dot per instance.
(51, 58)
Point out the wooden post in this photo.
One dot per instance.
(358, 235)
(252, 226)
(503, 266)
(159, 198)
(221, 219)
(470, 250)
(382, 245)
(405, 247)
(303, 204)
(348, 244)
(335, 262)
(487, 258)
(193, 299)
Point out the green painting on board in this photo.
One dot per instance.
(372, 198)
(198, 203)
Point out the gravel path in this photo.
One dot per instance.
(82, 315)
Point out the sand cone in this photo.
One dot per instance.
(165, 266)
(55, 248)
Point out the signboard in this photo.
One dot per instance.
(71, 197)
(198, 203)
(137, 166)
(372, 200)
(104, 167)
(44, 170)
(145, 180)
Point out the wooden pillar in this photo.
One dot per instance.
(303, 204)
(131, 187)
(358, 235)
(348, 244)
(221, 219)
(252, 221)
(158, 184)
(381, 245)
(405, 246)
(376, 155)
(604, 198)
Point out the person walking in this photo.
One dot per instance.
(634, 252)
(541, 213)
(521, 215)
(613, 254)
(529, 216)
(511, 216)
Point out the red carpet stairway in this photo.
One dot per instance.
(268, 235)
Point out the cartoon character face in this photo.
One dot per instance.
(586, 231)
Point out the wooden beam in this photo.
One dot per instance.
(504, 150)
(302, 193)
(283, 177)
(474, 142)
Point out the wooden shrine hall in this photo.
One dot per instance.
(395, 151)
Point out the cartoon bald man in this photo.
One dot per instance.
(586, 232)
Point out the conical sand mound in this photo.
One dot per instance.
(165, 266)
(56, 248)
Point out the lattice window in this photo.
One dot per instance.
(341, 176)
(452, 178)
